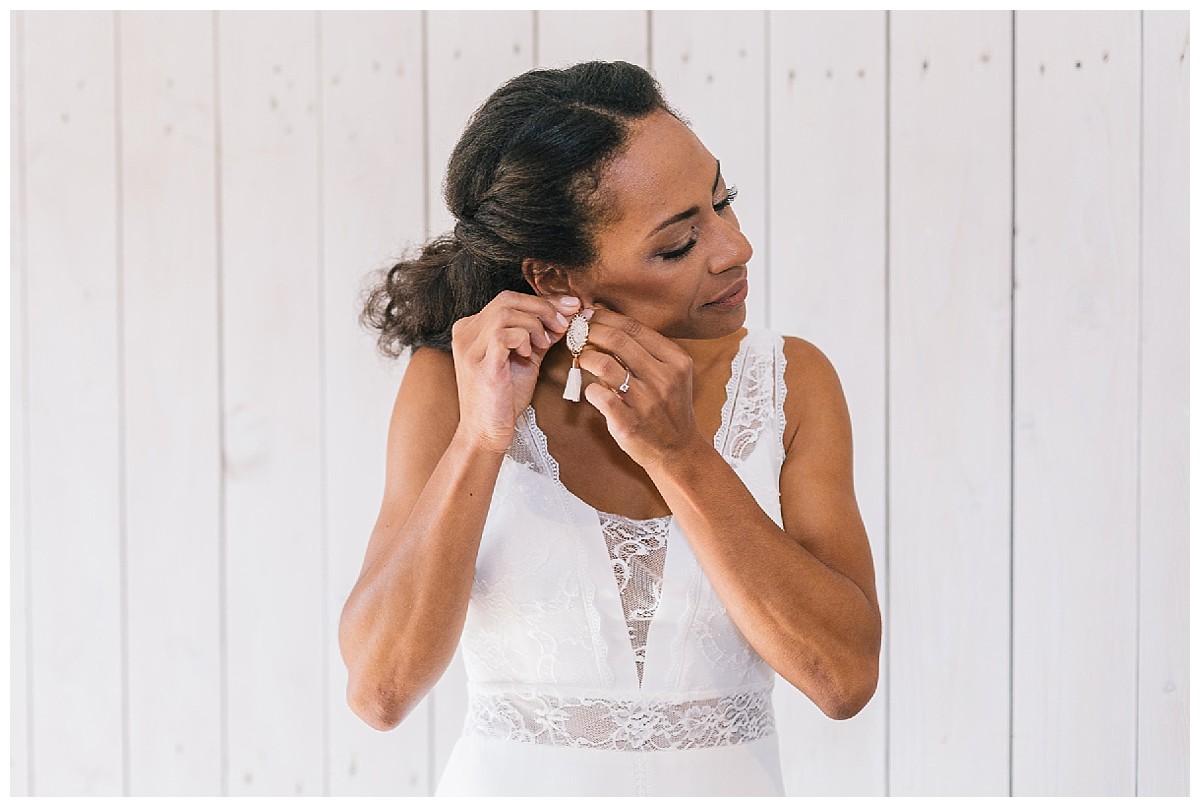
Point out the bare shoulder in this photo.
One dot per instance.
(815, 397)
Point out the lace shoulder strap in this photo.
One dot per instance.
(754, 396)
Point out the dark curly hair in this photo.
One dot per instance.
(522, 182)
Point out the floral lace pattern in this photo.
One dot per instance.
(749, 404)
(621, 724)
(637, 548)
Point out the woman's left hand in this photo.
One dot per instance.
(654, 421)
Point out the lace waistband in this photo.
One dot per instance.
(622, 724)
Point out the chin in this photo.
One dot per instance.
(710, 326)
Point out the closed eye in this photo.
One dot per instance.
(676, 254)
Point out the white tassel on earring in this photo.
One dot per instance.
(574, 382)
(576, 338)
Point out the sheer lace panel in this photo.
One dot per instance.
(638, 551)
(622, 724)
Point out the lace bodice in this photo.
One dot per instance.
(591, 629)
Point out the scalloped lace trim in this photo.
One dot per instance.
(622, 724)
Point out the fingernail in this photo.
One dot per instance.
(562, 320)
(569, 302)
(587, 313)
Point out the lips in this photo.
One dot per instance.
(731, 296)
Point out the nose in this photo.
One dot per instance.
(735, 249)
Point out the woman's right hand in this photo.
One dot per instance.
(497, 356)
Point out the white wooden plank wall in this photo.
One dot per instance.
(1075, 336)
(980, 217)
(1163, 692)
(171, 320)
(949, 387)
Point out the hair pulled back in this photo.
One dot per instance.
(522, 182)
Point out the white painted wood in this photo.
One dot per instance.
(566, 37)
(712, 67)
(470, 54)
(172, 430)
(18, 457)
(949, 401)
(74, 431)
(271, 393)
(1075, 404)
(373, 170)
(1164, 691)
(827, 78)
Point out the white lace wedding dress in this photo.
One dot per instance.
(599, 659)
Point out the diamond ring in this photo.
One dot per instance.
(625, 384)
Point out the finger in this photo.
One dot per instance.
(618, 329)
(606, 400)
(615, 338)
(540, 335)
(515, 339)
(553, 313)
(604, 366)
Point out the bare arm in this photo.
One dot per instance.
(452, 423)
(403, 619)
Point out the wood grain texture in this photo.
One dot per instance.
(567, 37)
(271, 392)
(75, 419)
(1164, 690)
(19, 759)
(949, 401)
(827, 203)
(1075, 404)
(172, 436)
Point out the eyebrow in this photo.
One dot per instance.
(691, 211)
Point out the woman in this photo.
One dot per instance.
(627, 571)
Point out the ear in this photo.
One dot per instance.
(548, 280)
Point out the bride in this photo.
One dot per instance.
(632, 509)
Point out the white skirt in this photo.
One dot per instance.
(489, 766)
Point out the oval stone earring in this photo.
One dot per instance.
(577, 335)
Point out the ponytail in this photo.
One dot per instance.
(418, 300)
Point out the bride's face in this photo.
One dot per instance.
(672, 244)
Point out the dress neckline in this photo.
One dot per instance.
(539, 437)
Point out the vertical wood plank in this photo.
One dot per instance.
(18, 457)
(712, 66)
(827, 285)
(172, 422)
(271, 393)
(372, 172)
(75, 463)
(567, 37)
(1075, 403)
(470, 54)
(1164, 692)
(949, 411)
